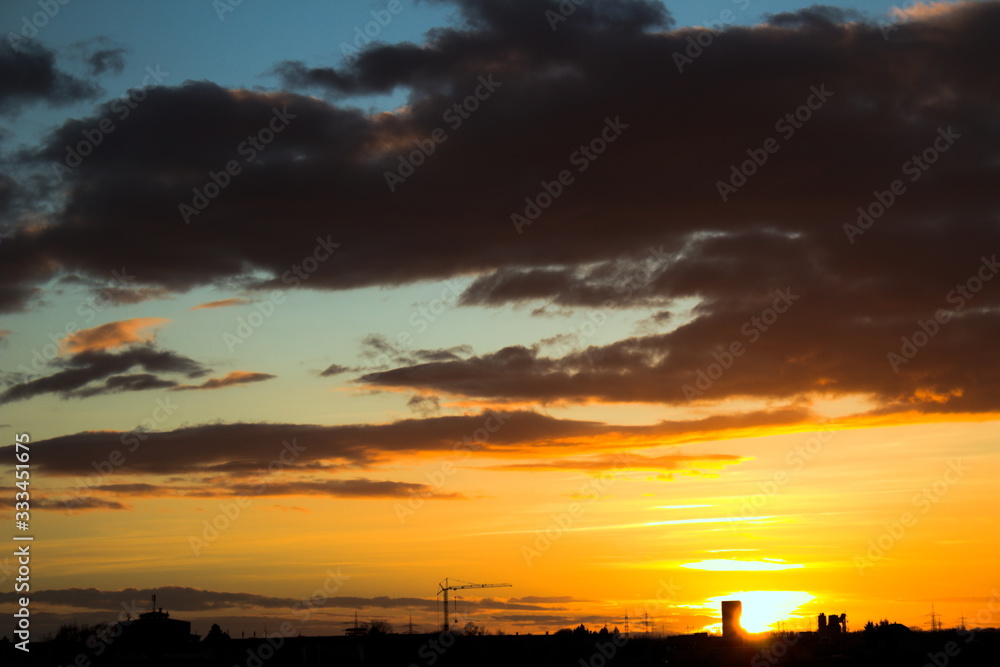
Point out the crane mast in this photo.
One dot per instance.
(445, 586)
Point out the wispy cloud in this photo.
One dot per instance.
(222, 303)
(230, 380)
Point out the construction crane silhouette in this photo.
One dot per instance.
(445, 586)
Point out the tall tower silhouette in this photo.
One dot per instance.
(732, 612)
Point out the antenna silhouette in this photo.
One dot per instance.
(935, 619)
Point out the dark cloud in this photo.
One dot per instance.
(230, 380)
(342, 488)
(817, 17)
(188, 599)
(218, 448)
(81, 369)
(558, 599)
(378, 351)
(181, 598)
(334, 369)
(119, 383)
(137, 489)
(424, 405)
(121, 296)
(888, 97)
(8, 190)
(821, 345)
(107, 60)
(29, 74)
(625, 283)
(488, 25)
(263, 486)
(82, 504)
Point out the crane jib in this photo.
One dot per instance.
(445, 586)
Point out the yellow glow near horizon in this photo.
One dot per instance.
(763, 610)
(730, 565)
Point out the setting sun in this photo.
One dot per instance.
(765, 610)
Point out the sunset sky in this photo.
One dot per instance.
(636, 307)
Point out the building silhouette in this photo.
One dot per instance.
(732, 612)
(155, 630)
(831, 625)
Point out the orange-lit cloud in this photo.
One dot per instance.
(111, 335)
(926, 10)
(234, 378)
(222, 303)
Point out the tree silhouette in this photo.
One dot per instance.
(215, 635)
(380, 627)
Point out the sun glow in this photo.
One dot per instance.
(764, 610)
(732, 565)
